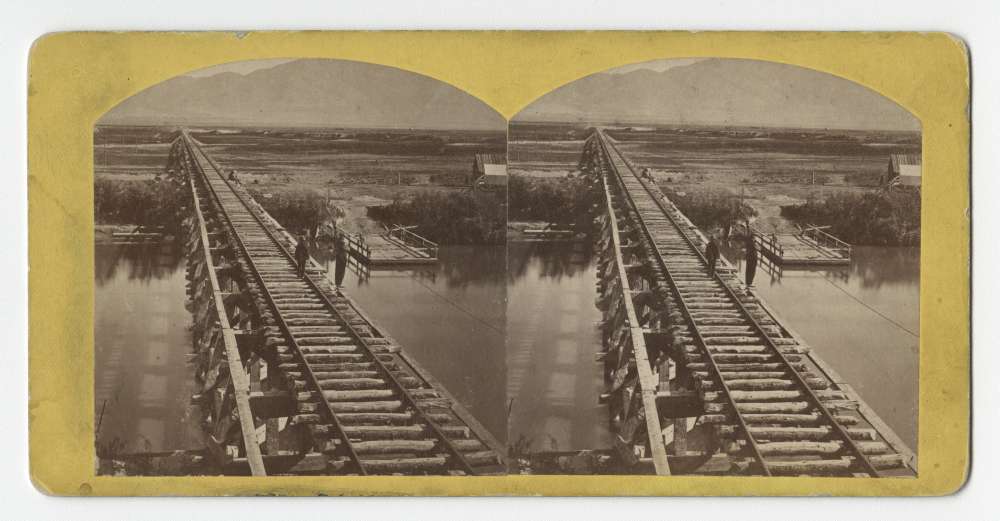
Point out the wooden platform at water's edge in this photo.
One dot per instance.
(796, 250)
(383, 250)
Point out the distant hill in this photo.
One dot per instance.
(326, 93)
(723, 92)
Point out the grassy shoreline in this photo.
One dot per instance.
(869, 219)
(454, 218)
(157, 202)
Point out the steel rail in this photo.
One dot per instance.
(402, 390)
(689, 319)
(842, 433)
(352, 455)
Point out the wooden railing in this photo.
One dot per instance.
(768, 241)
(355, 242)
(765, 241)
(418, 245)
(827, 241)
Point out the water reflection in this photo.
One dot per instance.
(142, 382)
(140, 262)
(550, 260)
(871, 267)
(553, 383)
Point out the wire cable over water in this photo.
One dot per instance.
(870, 308)
(457, 306)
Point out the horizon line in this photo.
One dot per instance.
(292, 126)
(709, 124)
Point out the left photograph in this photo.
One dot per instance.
(300, 269)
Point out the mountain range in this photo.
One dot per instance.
(719, 91)
(338, 93)
(308, 93)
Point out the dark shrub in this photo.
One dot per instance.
(872, 218)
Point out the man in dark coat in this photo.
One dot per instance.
(751, 259)
(340, 258)
(711, 254)
(302, 254)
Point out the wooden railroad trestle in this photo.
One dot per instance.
(694, 347)
(291, 360)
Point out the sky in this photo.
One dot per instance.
(305, 93)
(338, 93)
(720, 92)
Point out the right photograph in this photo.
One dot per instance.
(713, 269)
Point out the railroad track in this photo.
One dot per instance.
(775, 415)
(362, 403)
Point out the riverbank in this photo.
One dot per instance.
(858, 215)
(542, 231)
(159, 202)
(348, 169)
(457, 218)
(870, 219)
(765, 198)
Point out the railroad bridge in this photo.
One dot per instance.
(702, 376)
(295, 378)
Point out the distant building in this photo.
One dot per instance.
(904, 170)
(489, 171)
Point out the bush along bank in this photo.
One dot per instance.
(712, 210)
(299, 211)
(449, 218)
(159, 202)
(561, 201)
(869, 219)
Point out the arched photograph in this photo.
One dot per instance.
(713, 269)
(300, 270)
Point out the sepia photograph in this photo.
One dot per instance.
(300, 269)
(322, 267)
(570, 263)
(713, 269)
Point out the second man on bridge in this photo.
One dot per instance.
(711, 254)
(751, 259)
(301, 255)
(340, 258)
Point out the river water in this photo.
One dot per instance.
(142, 382)
(862, 319)
(448, 316)
(553, 381)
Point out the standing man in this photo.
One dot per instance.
(751, 259)
(712, 254)
(340, 258)
(302, 254)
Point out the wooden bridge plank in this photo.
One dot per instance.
(648, 383)
(423, 402)
(239, 378)
(904, 456)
